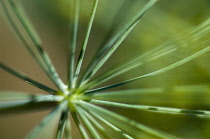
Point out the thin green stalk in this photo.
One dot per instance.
(88, 125)
(48, 119)
(163, 70)
(96, 124)
(116, 129)
(67, 133)
(27, 79)
(38, 45)
(20, 36)
(129, 126)
(109, 53)
(82, 52)
(79, 125)
(139, 61)
(9, 96)
(73, 44)
(168, 110)
(117, 19)
(115, 42)
(12, 104)
(115, 22)
(62, 123)
(164, 49)
(114, 95)
(190, 95)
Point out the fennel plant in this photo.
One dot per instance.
(81, 97)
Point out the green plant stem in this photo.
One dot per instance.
(82, 52)
(50, 70)
(27, 79)
(163, 70)
(72, 47)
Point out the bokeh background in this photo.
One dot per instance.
(166, 21)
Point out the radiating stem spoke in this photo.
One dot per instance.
(35, 132)
(129, 126)
(62, 123)
(115, 42)
(73, 44)
(98, 126)
(163, 70)
(82, 52)
(79, 125)
(198, 113)
(30, 102)
(108, 124)
(39, 54)
(88, 125)
(27, 79)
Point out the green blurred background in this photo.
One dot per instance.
(167, 20)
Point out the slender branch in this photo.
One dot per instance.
(88, 125)
(114, 43)
(79, 125)
(27, 79)
(151, 74)
(62, 123)
(82, 52)
(48, 119)
(73, 44)
(198, 113)
(129, 126)
(45, 62)
(32, 102)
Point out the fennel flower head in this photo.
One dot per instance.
(135, 69)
